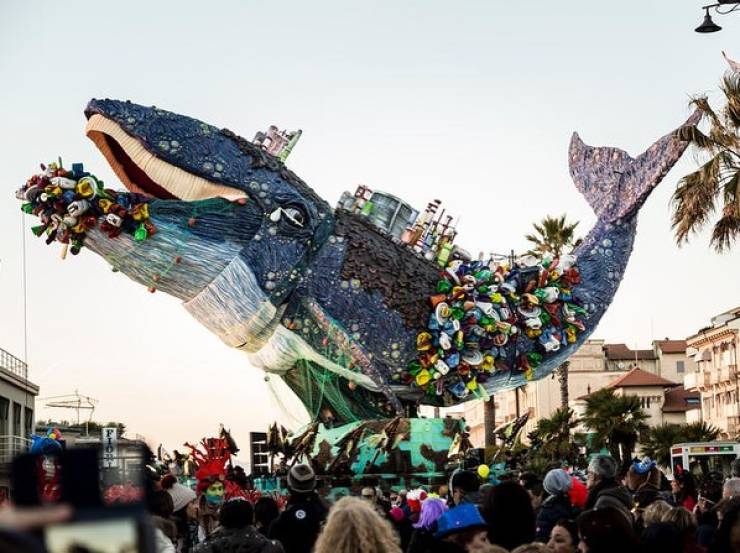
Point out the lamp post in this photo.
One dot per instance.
(709, 26)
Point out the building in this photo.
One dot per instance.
(715, 373)
(17, 410)
(593, 366)
(664, 401)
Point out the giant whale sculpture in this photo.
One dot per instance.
(319, 296)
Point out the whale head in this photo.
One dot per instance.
(224, 209)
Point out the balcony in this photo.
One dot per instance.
(732, 411)
(11, 446)
(725, 374)
(11, 363)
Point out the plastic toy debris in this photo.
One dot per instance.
(70, 203)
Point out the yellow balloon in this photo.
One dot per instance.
(484, 471)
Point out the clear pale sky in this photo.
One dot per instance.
(471, 102)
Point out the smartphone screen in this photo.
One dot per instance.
(117, 535)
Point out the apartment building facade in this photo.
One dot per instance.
(17, 413)
(593, 366)
(715, 374)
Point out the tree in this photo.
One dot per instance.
(554, 235)
(563, 381)
(656, 442)
(552, 436)
(616, 422)
(699, 431)
(715, 186)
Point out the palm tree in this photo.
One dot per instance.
(716, 184)
(554, 235)
(699, 431)
(656, 442)
(553, 435)
(616, 422)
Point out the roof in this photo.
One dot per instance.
(638, 377)
(616, 352)
(679, 400)
(671, 346)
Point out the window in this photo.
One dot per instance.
(28, 422)
(680, 367)
(17, 419)
(4, 416)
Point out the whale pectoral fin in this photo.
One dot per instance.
(614, 183)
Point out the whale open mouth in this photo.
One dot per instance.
(143, 172)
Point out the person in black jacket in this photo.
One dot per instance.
(604, 490)
(298, 526)
(236, 534)
(557, 506)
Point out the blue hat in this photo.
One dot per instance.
(644, 466)
(459, 518)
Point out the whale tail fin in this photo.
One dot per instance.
(615, 184)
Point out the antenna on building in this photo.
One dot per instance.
(74, 401)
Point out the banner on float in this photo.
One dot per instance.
(110, 448)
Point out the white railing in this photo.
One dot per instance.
(11, 446)
(11, 363)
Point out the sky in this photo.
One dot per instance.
(472, 102)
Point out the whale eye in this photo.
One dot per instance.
(294, 215)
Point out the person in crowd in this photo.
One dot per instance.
(605, 530)
(684, 490)
(508, 510)
(422, 538)
(266, 510)
(462, 529)
(661, 537)
(298, 526)
(185, 515)
(603, 488)
(236, 533)
(464, 485)
(353, 526)
(533, 485)
(165, 531)
(731, 487)
(654, 512)
(534, 547)
(684, 522)
(727, 539)
(643, 480)
(563, 537)
(736, 468)
(557, 484)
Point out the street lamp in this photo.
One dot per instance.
(709, 26)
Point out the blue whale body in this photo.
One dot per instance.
(316, 295)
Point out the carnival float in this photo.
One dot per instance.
(366, 311)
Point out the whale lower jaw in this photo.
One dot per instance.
(235, 309)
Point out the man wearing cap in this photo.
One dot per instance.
(298, 526)
(465, 487)
(603, 488)
(557, 506)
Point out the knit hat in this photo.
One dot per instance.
(301, 478)
(459, 518)
(181, 496)
(557, 482)
(604, 466)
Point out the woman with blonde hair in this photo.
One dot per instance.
(354, 526)
(655, 512)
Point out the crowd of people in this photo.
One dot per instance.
(605, 512)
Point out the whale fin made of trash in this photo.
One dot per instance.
(614, 183)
